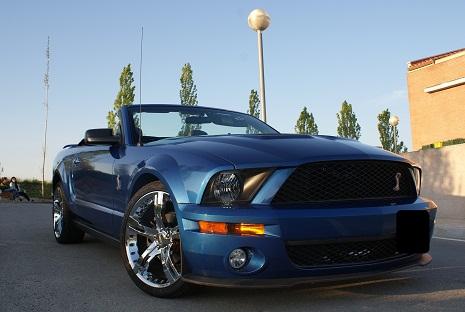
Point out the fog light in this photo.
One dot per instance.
(238, 258)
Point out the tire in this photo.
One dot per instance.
(64, 230)
(150, 243)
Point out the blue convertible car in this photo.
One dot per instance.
(196, 195)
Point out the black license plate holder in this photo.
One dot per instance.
(413, 231)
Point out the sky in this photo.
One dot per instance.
(317, 54)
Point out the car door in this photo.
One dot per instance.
(94, 185)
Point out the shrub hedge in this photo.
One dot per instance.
(443, 143)
(33, 188)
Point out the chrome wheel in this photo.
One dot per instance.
(57, 213)
(152, 241)
(64, 230)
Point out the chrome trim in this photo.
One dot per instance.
(98, 207)
(397, 177)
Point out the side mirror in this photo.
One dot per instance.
(102, 136)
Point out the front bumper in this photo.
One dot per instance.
(205, 256)
(387, 266)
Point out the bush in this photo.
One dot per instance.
(427, 146)
(443, 143)
(33, 188)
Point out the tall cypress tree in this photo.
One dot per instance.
(188, 92)
(386, 134)
(306, 123)
(254, 109)
(254, 104)
(348, 127)
(188, 97)
(125, 95)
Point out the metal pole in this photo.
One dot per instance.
(46, 83)
(395, 139)
(140, 87)
(261, 72)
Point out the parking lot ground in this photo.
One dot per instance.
(37, 274)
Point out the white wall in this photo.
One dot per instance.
(443, 178)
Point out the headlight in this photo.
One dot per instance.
(416, 173)
(228, 188)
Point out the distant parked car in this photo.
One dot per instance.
(196, 195)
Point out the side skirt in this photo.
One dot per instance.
(97, 234)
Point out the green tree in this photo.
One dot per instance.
(254, 109)
(125, 95)
(386, 134)
(347, 127)
(188, 97)
(254, 104)
(188, 92)
(306, 123)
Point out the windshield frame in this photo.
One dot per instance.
(127, 113)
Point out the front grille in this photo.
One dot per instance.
(348, 181)
(343, 253)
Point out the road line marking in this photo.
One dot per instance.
(450, 239)
(457, 267)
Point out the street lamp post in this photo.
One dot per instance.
(259, 20)
(394, 122)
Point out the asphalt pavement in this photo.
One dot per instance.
(37, 274)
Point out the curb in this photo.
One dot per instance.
(450, 228)
(34, 201)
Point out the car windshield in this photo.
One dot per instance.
(171, 122)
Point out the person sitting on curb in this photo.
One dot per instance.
(2, 186)
(16, 190)
(4, 183)
(5, 188)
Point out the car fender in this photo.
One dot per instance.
(163, 168)
(61, 174)
(184, 181)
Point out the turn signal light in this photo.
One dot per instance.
(231, 228)
(213, 227)
(249, 229)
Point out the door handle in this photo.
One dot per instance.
(76, 161)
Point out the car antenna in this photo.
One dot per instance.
(140, 87)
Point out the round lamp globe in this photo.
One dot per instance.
(394, 121)
(259, 20)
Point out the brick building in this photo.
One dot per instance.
(436, 91)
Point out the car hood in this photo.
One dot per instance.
(245, 151)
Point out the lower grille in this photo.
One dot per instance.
(343, 253)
